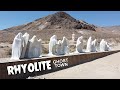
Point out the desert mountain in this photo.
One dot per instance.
(59, 20)
(59, 23)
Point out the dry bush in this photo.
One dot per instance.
(72, 48)
(44, 50)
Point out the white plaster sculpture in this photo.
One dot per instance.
(17, 46)
(52, 45)
(35, 48)
(59, 48)
(104, 46)
(79, 45)
(89, 45)
(62, 47)
(25, 44)
(65, 47)
(108, 47)
(94, 46)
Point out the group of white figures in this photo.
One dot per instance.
(23, 47)
(91, 45)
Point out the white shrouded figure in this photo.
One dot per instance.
(62, 47)
(89, 45)
(25, 42)
(94, 46)
(52, 45)
(35, 48)
(108, 48)
(104, 46)
(59, 48)
(65, 47)
(17, 46)
(79, 45)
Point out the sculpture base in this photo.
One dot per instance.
(38, 66)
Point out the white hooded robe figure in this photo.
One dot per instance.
(52, 45)
(89, 45)
(108, 48)
(104, 46)
(34, 48)
(94, 46)
(17, 46)
(59, 48)
(65, 47)
(25, 42)
(79, 45)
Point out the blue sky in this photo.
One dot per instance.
(99, 18)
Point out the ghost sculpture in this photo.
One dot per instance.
(89, 45)
(108, 48)
(59, 48)
(65, 47)
(35, 48)
(52, 45)
(94, 42)
(104, 46)
(79, 45)
(25, 45)
(17, 46)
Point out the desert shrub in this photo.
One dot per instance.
(1, 46)
(72, 48)
(9, 52)
(44, 50)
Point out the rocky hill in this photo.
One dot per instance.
(59, 23)
(59, 20)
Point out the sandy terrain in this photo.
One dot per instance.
(5, 50)
(104, 68)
